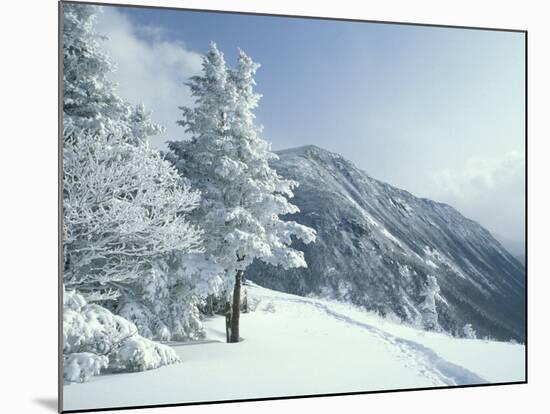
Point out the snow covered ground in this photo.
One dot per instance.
(301, 346)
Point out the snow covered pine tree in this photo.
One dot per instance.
(90, 100)
(228, 161)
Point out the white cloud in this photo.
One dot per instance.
(150, 69)
(488, 190)
(479, 175)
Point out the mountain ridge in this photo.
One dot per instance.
(385, 249)
(313, 147)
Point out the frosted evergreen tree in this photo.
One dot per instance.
(170, 296)
(469, 332)
(228, 160)
(90, 101)
(428, 307)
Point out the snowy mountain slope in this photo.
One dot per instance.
(385, 249)
(302, 346)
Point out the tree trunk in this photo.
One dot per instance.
(227, 321)
(245, 300)
(209, 308)
(236, 309)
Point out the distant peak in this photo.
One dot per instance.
(308, 149)
(301, 149)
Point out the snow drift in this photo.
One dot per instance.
(293, 346)
(94, 339)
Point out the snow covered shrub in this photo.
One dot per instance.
(428, 306)
(174, 320)
(92, 328)
(94, 339)
(269, 307)
(140, 354)
(253, 303)
(393, 317)
(469, 331)
(79, 367)
(166, 304)
(143, 318)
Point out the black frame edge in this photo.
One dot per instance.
(295, 16)
(526, 202)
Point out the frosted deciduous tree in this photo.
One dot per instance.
(228, 160)
(124, 206)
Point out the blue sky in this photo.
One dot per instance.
(436, 111)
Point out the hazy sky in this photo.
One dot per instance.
(438, 112)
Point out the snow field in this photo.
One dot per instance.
(293, 345)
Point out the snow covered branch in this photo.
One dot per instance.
(123, 206)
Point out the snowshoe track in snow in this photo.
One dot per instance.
(427, 361)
